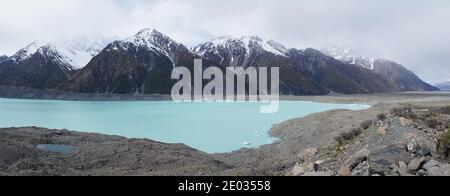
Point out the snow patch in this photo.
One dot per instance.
(75, 52)
(154, 41)
(349, 56)
(241, 48)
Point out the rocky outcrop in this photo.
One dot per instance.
(413, 142)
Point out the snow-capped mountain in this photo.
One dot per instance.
(47, 64)
(3, 58)
(248, 43)
(79, 51)
(396, 74)
(154, 41)
(140, 64)
(350, 57)
(238, 51)
(74, 53)
(27, 51)
(143, 63)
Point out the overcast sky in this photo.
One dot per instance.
(415, 33)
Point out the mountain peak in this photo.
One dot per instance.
(148, 33)
(349, 56)
(76, 52)
(242, 43)
(28, 51)
(3, 58)
(155, 41)
(152, 39)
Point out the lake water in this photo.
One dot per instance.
(210, 127)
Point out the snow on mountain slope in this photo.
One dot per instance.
(74, 53)
(27, 51)
(79, 51)
(154, 41)
(395, 73)
(235, 44)
(238, 51)
(350, 57)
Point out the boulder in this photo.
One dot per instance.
(430, 164)
(395, 170)
(416, 164)
(308, 154)
(380, 160)
(345, 171)
(434, 171)
(300, 169)
(297, 170)
(421, 172)
(403, 169)
(352, 162)
(404, 122)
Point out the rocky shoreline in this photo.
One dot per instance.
(404, 136)
(31, 93)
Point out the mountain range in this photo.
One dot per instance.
(142, 64)
(47, 65)
(402, 78)
(445, 86)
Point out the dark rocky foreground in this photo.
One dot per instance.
(97, 154)
(387, 139)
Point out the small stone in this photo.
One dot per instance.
(395, 170)
(403, 169)
(308, 154)
(404, 122)
(412, 146)
(416, 164)
(317, 165)
(423, 151)
(421, 172)
(345, 171)
(300, 169)
(297, 170)
(382, 130)
(361, 170)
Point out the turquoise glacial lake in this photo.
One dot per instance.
(210, 127)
